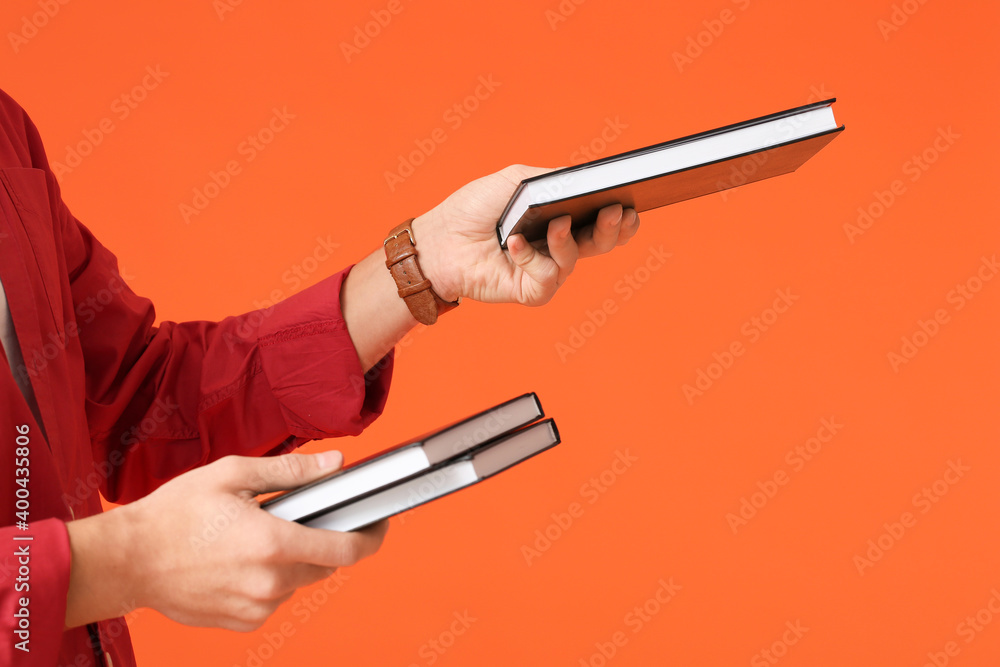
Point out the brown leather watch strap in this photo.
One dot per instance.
(413, 288)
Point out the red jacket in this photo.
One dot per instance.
(126, 405)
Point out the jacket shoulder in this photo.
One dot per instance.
(20, 145)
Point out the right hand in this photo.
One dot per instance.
(460, 255)
(202, 552)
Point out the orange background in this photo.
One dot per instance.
(665, 517)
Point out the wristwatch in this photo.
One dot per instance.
(413, 288)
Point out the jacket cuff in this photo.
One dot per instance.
(33, 602)
(312, 366)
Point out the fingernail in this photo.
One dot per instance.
(329, 460)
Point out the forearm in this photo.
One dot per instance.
(101, 577)
(376, 317)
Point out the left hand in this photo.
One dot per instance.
(460, 254)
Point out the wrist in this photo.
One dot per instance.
(133, 545)
(103, 581)
(432, 255)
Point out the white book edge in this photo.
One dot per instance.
(439, 481)
(403, 463)
(398, 498)
(407, 461)
(670, 158)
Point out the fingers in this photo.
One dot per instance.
(614, 226)
(246, 614)
(299, 575)
(276, 473)
(602, 236)
(629, 226)
(263, 593)
(551, 267)
(540, 267)
(330, 548)
(298, 556)
(562, 247)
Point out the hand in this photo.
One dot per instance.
(202, 552)
(460, 254)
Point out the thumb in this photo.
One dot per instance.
(540, 267)
(278, 473)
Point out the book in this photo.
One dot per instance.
(673, 171)
(404, 460)
(440, 480)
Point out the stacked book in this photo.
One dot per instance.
(416, 472)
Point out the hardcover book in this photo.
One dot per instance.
(666, 173)
(440, 480)
(406, 460)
